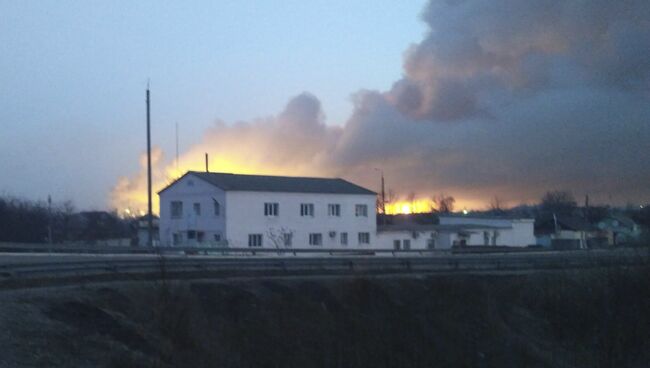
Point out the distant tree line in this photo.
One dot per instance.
(28, 221)
(555, 202)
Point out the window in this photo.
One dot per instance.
(271, 209)
(191, 234)
(431, 243)
(197, 209)
(177, 209)
(364, 238)
(288, 239)
(315, 239)
(407, 244)
(361, 210)
(217, 237)
(177, 238)
(334, 210)
(397, 244)
(254, 240)
(344, 238)
(200, 236)
(217, 207)
(307, 209)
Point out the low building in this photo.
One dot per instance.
(565, 232)
(203, 208)
(618, 229)
(143, 230)
(457, 231)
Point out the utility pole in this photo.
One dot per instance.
(207, 168)
(383, 197)
(149, 212)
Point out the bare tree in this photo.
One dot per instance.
(443, 203)
(378, 204)
(496, 205)
(390, 196)
(558, 201)
(281, 238)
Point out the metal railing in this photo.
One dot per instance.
(335, 264)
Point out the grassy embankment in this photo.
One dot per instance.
(594, 318)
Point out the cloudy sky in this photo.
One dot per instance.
(476, 99)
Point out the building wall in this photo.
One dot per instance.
(246, 216)
(418, 239)
(521, 232)
(190, 190)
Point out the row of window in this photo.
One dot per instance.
(177, 208)
(315, 239)
(307, 209)
(193, 235)
(271, 209)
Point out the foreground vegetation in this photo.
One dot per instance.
(567, 319)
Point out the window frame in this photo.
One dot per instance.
(343, 238)
(196, 208)
(271, 209)
(216, 207)
(361, 210)
(334, 210)
(252, 240)
(363, 237)
(287, 239)
(316, 239)
(176, 205)
(307, 210)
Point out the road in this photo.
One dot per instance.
(24, 266)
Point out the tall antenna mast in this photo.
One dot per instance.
(149, 212)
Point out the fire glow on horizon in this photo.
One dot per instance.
(129, 196)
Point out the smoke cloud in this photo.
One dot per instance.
(505, 98)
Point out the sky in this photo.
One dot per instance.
(476, 99)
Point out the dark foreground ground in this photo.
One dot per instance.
(561, 319)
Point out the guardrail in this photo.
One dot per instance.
(165, 265)
(89, 249)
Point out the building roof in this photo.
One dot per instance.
(431, 227)
(287, 184)
(486, 216)
(571, 223)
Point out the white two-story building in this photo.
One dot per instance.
(204, 208)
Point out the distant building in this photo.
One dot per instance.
(143, 230)
(457, 231)
(618, 229)
(565, 232)
(203, 208)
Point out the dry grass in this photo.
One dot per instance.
(563, 319)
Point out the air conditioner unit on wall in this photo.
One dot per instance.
(332, 234)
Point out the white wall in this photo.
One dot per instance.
(190, 189)
(521, 232)
(513, 233)
(246, 216)
(386, 239)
